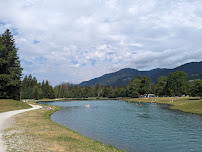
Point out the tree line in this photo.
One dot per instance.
(175, 84)
(31, 89)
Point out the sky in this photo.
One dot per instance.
(77, 40)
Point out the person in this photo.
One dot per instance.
(88, 105)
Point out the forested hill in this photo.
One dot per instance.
(123, 76)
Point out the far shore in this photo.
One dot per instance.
(192, 105)
(186, 104)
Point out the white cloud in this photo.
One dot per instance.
(79, 40)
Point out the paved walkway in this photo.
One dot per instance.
(6, 120)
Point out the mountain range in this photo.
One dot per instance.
(123, 76)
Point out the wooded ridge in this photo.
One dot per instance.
(124, 76)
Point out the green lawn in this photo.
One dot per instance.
(9, 105)
(186, 104)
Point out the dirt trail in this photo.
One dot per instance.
(7, 119)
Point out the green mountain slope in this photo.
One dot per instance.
(123, 76)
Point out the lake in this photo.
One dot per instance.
(148, 127)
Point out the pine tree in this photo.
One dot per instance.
(10, 70)
(29, 81)
(3, 76)
(24, 84)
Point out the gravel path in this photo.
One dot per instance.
(6, 120)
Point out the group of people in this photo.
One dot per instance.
(49, 108)
(154, 100)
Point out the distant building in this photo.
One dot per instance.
(150, 95)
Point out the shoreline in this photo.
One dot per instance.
(184, 104)
(190, 105)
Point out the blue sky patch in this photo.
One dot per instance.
(73, 61)
(93, 62)
(40, 59)
(36, 42)
(14, 31)
(26, 62)
(2, 23)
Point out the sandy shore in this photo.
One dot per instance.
(6, 120)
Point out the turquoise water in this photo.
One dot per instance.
(131, 127)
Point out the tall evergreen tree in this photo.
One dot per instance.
(24, 84)
(10, 70)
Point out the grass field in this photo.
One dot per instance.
(9, 105)
(186, 104)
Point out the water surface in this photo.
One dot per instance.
(131, 127)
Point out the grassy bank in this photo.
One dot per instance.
(34, 131)
(9, 105)
(186, 104)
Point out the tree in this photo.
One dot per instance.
(160, 86)
(145, 86)
(48, 91)
(133, 87)
(24, 84)
(31, 89)
(3, 76)
(196, 88)
(35, 94)
(99, 90)
(43, 89)
(51, 92)
(177, 84)
(29, 80)
(11, 71)
(91, 91)
(122, 92)
(108, 92)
